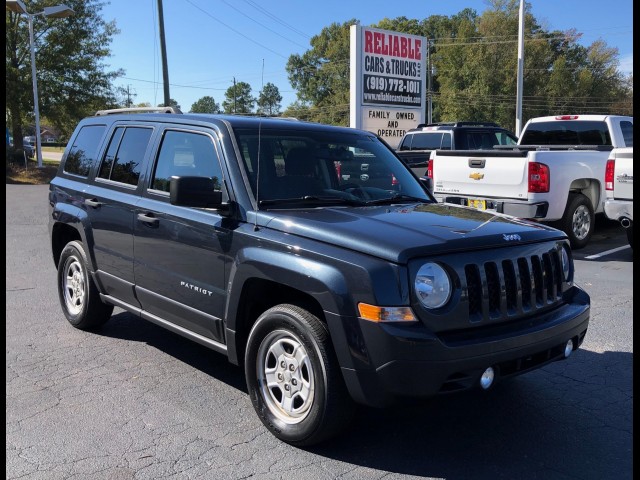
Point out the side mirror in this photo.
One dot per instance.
(195, 192)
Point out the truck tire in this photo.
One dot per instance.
(293, 377)
(578, 221)
(78, 293)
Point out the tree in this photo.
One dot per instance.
(269, 100)
(238, 99)
(73, 80)
(205, 105)
(474, 60)
(321, 75)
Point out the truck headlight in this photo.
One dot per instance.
(432, 285)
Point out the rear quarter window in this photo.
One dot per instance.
(84, 150)
(627, 133)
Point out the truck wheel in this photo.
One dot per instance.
(78, 294)
(630, 235)
(578, 221)
(293, 377)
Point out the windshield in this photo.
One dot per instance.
(325, 167)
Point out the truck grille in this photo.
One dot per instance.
(513, 287)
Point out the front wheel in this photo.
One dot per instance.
(78, 293)
(293, 377)
(578, 221)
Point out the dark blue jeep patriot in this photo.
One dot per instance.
(263, 239)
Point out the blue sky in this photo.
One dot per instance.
(209, 42)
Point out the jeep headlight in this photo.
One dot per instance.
(432, 285)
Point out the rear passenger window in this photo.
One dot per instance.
(186, 154)
(123, 160)
(84, 150)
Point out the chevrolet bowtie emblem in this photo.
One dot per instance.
(477, 176)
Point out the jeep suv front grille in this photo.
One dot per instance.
(513, 287)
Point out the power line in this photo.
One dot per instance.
(234, 30)
(261, 24)
(273, 17)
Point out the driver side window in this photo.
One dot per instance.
(186, 154)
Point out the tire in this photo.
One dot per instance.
(307, 401)
(630, 235)
(578, 221)
(78, 293)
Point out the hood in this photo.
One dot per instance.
(400, 232)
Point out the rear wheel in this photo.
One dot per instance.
(78, 294)
(293, 377)
(578, 221)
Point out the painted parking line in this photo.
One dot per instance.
(608, 252)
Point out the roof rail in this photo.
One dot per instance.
(458, 124)
(139, 110)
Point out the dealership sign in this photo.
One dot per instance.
(387, 82)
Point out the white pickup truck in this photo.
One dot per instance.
(555, 173)
(619, 189)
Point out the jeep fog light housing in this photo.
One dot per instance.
(432, 285)
(565, 260)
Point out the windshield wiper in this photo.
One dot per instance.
(312, 199)
(400, 197)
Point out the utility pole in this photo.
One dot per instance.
(520, 69)
(129, 102)
(163, 50)
(429, 105)
(234, 94)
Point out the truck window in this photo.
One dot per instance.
(627, 133)
(566, 133)
(428, 141)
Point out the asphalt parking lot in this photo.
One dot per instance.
(134, 401)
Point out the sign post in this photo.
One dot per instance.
(387, 91)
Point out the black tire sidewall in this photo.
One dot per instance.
(94, 312)
(575, 201)
(288, 320)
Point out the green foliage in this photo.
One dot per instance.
(269, 100)
(474, 63)
(205, 104)
(238, 99)
(321, 75)
(73, 80)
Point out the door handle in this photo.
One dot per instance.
(149, 219)
(92, 202)
(476, 162)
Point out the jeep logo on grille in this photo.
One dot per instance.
(511, 236)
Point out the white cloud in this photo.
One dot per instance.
(626, 63)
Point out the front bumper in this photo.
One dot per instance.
(382, 362)
(618, 209)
